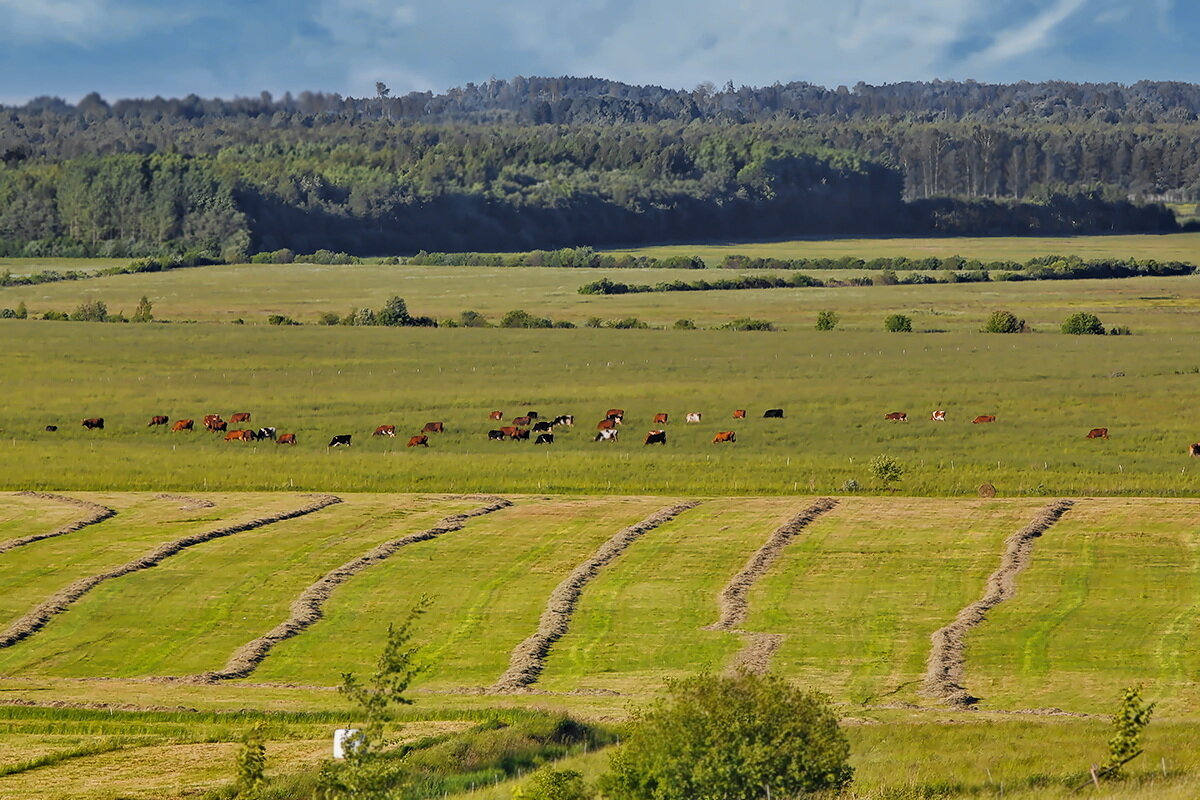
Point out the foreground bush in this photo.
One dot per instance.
(1003, 322)
(731, 737)
(898, 323)
(1083, 323)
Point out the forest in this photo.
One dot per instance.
(534, 163)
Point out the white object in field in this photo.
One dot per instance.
(345, 739)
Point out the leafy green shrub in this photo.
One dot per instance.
(522, 319)
(144, 311)
(827, 320)
(627, 323)
(1083, 323)
(329, 318)
(684, 325)
(1120, 330)
(280, 319)
(1003, 322)
(898, 323)
(748, 324)
(473, 319)
(594, 322)
(886, 469)
(55, 315)
(548, 783)
(90, 311)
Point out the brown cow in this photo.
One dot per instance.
(1098, 433)
(183, 425)
(239, 436)
(385, 430)
(213, 422)
(218, 426)
(606, 424)
(1194, 449)
(739, 414)
(525, 420)
(983, 418)
(660, 419)
(938, 416)
(614, 412)
(433, 427)
(724, 436)
(897, 416)
(241, 416)
(522, 433)
(509, 431)
(158, 421)
(496, 415)
(286, 438)
(418, 441)
(93, 423)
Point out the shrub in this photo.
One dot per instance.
(886, 469)
(850, 485)
(1120, 330)
(473, 319)
(548, 783)
(739, 737)
(1003, 322)
(898, 323)
(55, 315)
(144, 311)
(748, 324)
(684, 325)
(394, 312)
(627, 323)
(1083, 323)
(91, 311)
(22, 311)
(329, 318)
(827, 320)
(7, 313)
(594, 322)
(280, 319)
(521, 319)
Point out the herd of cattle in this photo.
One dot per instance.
(522, 428)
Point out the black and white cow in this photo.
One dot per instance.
(339, 440)
(544, 438)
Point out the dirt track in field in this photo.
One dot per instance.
(528, 658)
(58, 603)
(96, 513)
(944, 668)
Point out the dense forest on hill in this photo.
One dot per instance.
(551, 162)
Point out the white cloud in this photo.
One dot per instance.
(82, 21)
(1031, 36)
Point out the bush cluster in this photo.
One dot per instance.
(608, 286)
(566, 257)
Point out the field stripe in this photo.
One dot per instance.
(944, 669)
(307, 608)
(529, 657)
(98, 513)
(188, 503)
(36, 619)
(756, 655)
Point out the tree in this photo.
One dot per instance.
(685, 325)
(22, 311)
(735, 737)
(393, 313)
(898, 323)
(1128, 722)
(548, 783)
(144, 311)
(1003, 322)
(1083, 323)
(473, 319)
(91, 311)
(886, 469)
(329, 318)
(827, 320)
(251, 765)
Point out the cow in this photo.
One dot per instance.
(656, 437)
(938, 416)
(93, 423)
(983, 418)
(896, 416)
(522, 433)
(1194, 449)
(773, 413)
(739, 413)
(265, 433)
(213, 422)
(497, 415)
(606, 424)
(531, 414)
(183, 425)
(542, 426)
(660, 419)
(544, 438)
(693, 416)
(564, 419)
(241, 416)
(51, 428)
(219, 426)
(385, 430)
(614, 412)
(418, 441)
(240, 436)
(525, 420)
(156, 420)
(339, 440)
(286, 438)
(497, 435)
(615, 419)
(1098, 433)
(509, 431)
(607, 435)
(433, 427)
(724, 436)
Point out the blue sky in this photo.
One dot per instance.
(137, 48)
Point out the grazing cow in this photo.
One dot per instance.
(656, 437)
(433, 427)
(510, 431)
(607, 435)
(544, 438)
(286, 438)
(265, 433)
(213, 422)
(531, 414)
(94, 423)
(773, 413)
(496, 415)
(522, 433)
(739, 414)
(219, 426)
(525, 420)
(564, 419)
(938, 416)
(693, 416)
(158, 421)
(497, 435)
(983, 418)
(896, 416)
(241, 416)
(1194, 449)
(51, 428)
(239, 436)
(339, 440)
(660, 419)
(385, 430)
(614, 412)
(606, 424)
(183, 425)
(418, 441)
(542, 426)
(724, 436)
(1098, 433)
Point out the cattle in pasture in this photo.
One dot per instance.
(241, 416)
(607, 435)
(542, 426)
(606, 424)
(1098, 433)
(693, 416)
(938, 416)
(616, 419)
(510, 431)
(564, 419)
(385, 430)
(524, 420)
(219, 426)
(982, 418)
(433, 427)
(286, 438)
(158, 420)
(496, 415)
(51, 428)
(497, 435)
(896, 416)
(183, 425)
(656, 437)
(660, 419)
(522, 433)
(739, 413)
(213, 422)
(93, 423)
(240, 436)
(339, 440)
(265, 433)
(1194, 449)
(531, 414)
(773, 413)
(544, 438)
(418, 441)
(614, 412)
(724, 436)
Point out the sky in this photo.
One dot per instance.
(143, 48)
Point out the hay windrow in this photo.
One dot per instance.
(528, 658)
(307, 608)
(944, 669)
(36, 619)
(96, 513)
(187, 503)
